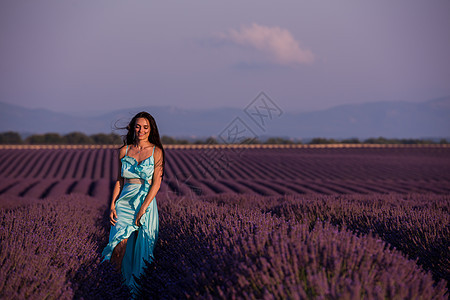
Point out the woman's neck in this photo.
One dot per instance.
(142, 144)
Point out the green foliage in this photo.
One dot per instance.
(45, 139)
(106, 139)
(182, 142)
(382, 140)
(351, 141)
(251, 141)
(167, 140)
(278, 140)
(10, 137)
(211, 140)
(379, 140)
(78, 138)
(323, 141)
(415, 141)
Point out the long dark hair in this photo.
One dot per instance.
(130, 137)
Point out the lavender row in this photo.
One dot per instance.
(262, 171)
(207, 249)
(42, 188)
(211, 251)
(416, 224)
(308, 164)
(50, 248)
(53, 188)
(58, 163)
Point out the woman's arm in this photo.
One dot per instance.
(156, 184)
(117, 189)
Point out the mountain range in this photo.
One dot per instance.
(388, 119)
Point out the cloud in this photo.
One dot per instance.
(275, 41)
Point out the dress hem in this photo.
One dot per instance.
(121, 235)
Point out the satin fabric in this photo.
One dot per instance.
(141, 239)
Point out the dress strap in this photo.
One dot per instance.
(126, 152)
(153, 150)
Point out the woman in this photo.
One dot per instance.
(134, 214)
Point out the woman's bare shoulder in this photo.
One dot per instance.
(122, 151)
(158, 151)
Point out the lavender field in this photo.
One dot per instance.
(300, 223)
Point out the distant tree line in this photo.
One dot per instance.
(79, 138)
(379, 140)
(278, 140)
(73, 138)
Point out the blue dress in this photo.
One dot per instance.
(141, 239)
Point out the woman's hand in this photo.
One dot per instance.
(113, 217)
(138, 217)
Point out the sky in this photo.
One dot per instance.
(103, 55)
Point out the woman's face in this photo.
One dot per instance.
(142, 129)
